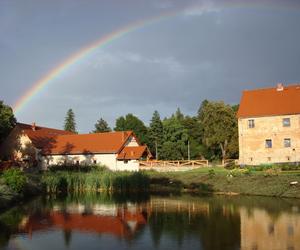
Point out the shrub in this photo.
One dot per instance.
(211, 173)
(15, 179)
(239, 172)
(274, 171)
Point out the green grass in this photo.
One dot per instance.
(243, 181)
(96, 180)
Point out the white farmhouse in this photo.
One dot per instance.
(45, 147)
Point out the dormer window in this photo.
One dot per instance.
(251, 123)
(286, 122)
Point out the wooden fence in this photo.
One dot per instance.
(182, 163)
(227, 162)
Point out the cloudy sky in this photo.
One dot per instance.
(191, 50)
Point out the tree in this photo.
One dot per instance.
(101, 126)
(70, 124)
(193, 128)
(131, 122)
(175, 138)
(7, 120)
(219, 127)
(120, 124)
(155, 134)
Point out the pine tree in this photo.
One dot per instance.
(101, 126)
(70, 124)
(155, 134)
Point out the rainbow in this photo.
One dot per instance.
(89, 49)
(84, 52)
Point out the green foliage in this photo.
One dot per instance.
(175, 139)
(211, 173)
(236, 172)
(101, 126)
(70, 124)
(15, 179)
(273, 171)
(96, 180)
(155, 134)
(131, 122)
(219, 126)
(7, 120)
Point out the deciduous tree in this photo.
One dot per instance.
(131, 122)
(7, 120)
(219, 126)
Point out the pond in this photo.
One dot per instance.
(102, 221)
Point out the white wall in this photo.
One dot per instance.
(132, 165)
(108, 160)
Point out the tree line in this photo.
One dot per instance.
(210, 134)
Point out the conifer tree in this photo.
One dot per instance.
(155, 134)
(101, 126)
(70, 124)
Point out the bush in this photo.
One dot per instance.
(15, 179)
(239, 172)
(211, 173)
(274, 171)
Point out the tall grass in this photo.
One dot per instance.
(95, 180)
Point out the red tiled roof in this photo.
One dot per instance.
(132, 153)
(110, 142)
(270, 102)
(41, 137)
(56, 142)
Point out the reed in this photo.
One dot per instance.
(94, 181)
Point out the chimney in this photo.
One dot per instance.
(33, 126)
(279, 87)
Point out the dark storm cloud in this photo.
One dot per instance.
(208, 50)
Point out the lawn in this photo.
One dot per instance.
(220, 180)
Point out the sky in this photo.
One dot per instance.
(191, 50)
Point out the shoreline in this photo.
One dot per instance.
(195, 182)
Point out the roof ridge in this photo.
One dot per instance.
(269, 88)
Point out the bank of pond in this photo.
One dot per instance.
(17, 185)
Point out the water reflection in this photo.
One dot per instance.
(156, 222)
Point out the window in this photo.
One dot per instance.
(288, 158)
(95, 161)
(77, 162)
(269, 159)
(287, 142)
(125, 161)
(286, 122)
(268, 143)
(251, 123)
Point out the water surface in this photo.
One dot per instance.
(101, 221)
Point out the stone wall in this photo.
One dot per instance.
(252, 141)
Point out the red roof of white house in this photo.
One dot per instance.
(60, 142)
(109, 142)
(281, 100)
(133, 153)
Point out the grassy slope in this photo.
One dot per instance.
(255, 183)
